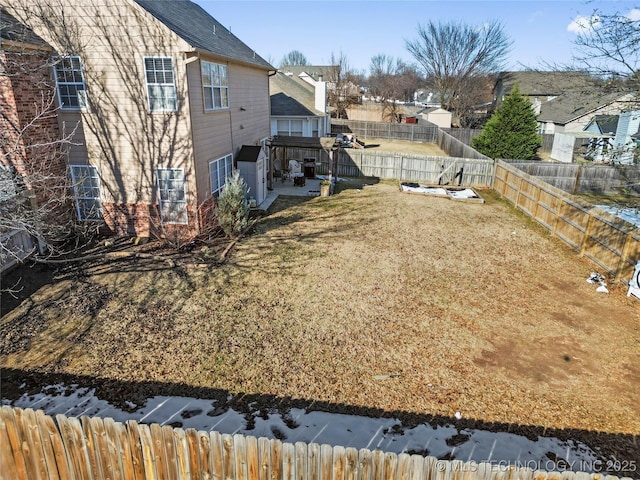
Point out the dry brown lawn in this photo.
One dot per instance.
(371, 298)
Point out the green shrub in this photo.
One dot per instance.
(511, 132)
(233, 209)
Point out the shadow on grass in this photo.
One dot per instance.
(131, 396)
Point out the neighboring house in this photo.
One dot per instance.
(540, 86)
(611, 139)
(564, 102)
(298, 107)
(163, 96)
(601, 130)
(572, 112)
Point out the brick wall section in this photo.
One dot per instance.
(143, 220)
(29, 122)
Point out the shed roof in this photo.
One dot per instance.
(194, 25)
(249, 153)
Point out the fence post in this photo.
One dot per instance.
(587, 234)
(623, 256)
(577, 181)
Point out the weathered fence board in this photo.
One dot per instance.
(33, 446)
(608, 241)
(584, 179)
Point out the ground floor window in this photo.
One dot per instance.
(86, 191)
(172, 195)
(219, 170)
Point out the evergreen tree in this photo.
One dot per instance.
(511, 131)
(233, 209)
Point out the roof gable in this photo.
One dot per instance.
(200, 30)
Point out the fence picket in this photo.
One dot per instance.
(170, 452)
(253, 464)
(12, 454)
(264, 458)
(48, 428)
(146, 444)
(339, 461)
(137, 456)
(326, 462)
(240, 454)
(228, 458)
(301, 461)
(33, 446)
(390, 466)
(288, 461)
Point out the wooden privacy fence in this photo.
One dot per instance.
(386, 130)
(583, 179)
(33, 446)
(608, 241)
(413, 167)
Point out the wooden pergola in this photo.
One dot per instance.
(326, 144)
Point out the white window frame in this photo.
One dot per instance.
(172, 196)
(70, 78)
(215, 80)
(160, 80)
(219, 170)
(86, 191)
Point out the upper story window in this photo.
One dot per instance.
(72, 93)
(215, 85)
(161, 85)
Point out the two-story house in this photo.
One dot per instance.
(162, 98)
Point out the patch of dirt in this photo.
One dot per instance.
(370, 300)
(402, 146)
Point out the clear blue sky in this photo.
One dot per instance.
(361, 29)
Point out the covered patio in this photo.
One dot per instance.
(307, 151)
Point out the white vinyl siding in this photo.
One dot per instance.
(172, 195)
(86, 191)
(215, 85)
(219, 171)
(161, 86)
(70, 83)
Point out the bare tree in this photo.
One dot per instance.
(455, 56)
(294, 57)
(35, 199)
(608, 46)
(343, 90)
(392, 80)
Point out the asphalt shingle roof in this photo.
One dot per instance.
(291, 96)
(195, 26)
(570, 106)
(14, 30)
(533, 82)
